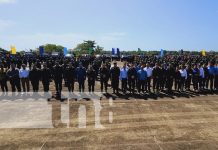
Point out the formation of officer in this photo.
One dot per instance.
(169, 74)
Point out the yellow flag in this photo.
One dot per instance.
(13, 50)
(203, 53)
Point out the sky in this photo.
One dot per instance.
(124, 24)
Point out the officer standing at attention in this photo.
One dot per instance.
(189, 77)
(195, 78)
(81, 77)
(3, 79)
(177, 79)
(91, 74)
(13, 75)
(104, 77)
(34, 78)
(58, 78)
(170, 72)
(45, 77)
(206, 77)
(157, 73)
(132, 77)
(115, 74)
(69, 75)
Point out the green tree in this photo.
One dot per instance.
(99, 50)
(1, 49)
(84, 47)
(49, 48)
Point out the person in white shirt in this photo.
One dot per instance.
(149, 71)
(184, 76)
(201, 78)
(123, 77)
(24, 76)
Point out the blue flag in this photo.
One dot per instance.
(65, 51)
(115, 51)
(161, 53)
(118, 51)
(41, 50)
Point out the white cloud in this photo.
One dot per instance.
(7, 1)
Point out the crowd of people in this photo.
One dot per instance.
(148, 75)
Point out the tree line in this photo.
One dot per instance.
(91, 47)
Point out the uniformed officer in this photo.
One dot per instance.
(13, 75)
(170, 74)
(206, 77)
(132, 76)
(3, 79)
(177, 78)
(34, 77)
(195, 78)
(163, 77)
(115, 74)
(45, 77)
(189, 77)
(91, 75)
(81, 77)
(104, 77)
(157, 75)
(69, 75)
(58, 78)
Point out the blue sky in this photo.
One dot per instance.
(127, 24)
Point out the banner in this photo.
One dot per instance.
(65, 51)
(13, 50)
(41, 50)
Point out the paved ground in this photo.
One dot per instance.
(164, 124)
